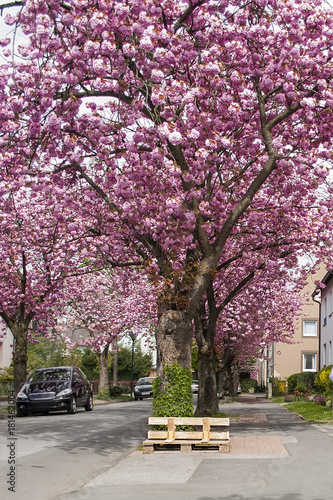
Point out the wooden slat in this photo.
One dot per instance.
(163, 435)
(188, 435)
(158, 420)
(186, 441)
(157, 434)
(188, 421)
(203, 436)
(178, 435)
(171, 430)
(205, 429)
(219, 421)
(218, 435)
(199, 435)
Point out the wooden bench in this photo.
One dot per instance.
(188, 440)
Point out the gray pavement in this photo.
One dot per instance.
(274, 455)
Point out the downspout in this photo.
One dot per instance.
(316, 297)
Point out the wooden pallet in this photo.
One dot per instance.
(203, 439)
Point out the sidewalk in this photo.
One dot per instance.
(274, 455)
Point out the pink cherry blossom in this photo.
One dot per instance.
(205, 157)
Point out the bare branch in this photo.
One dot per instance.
(187, 12)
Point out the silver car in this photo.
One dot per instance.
(144, 388)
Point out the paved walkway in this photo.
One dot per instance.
(274, 455)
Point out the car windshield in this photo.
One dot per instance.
(48, 375)
(144, 381)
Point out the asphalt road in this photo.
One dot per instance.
(58, 452)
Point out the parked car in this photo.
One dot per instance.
(56, 388)
(195, 386)
(144, 388)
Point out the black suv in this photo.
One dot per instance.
(56, 388)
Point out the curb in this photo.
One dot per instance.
(99, 402)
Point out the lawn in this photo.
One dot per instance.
(311, 412)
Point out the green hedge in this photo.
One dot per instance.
(302, 382)
(118, 390)
(177, 398)
(248, 383)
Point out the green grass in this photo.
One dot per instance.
(277, 399)
(310, 411)
(222, 415)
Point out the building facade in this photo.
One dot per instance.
(325, 297)
(6, 348)
(280, 360)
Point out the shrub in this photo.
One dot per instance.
(322, 382)
(304, 379)
(278, 386)
(288, 398)
(248, 383)
(177, 399)
(6, 381)
(308, 379)
(261, 388)
(319, 400)
(7, 374)
(103, 395)
(292, 382)
(300, 389)
(118, 390)
(5, 388)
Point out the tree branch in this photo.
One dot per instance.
(187, 12)
(96, 188)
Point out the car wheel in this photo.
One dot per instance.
(141, 399)
(72, 407)
(89, 405)
(21, 413)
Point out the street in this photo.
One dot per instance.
(274, 455)
(58, 452)
(300, 468)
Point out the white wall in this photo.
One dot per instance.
(6, 349)
(326, 353)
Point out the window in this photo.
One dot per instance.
(324, 355)
(310, 328)
(309, 362)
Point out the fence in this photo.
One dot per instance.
(94, 384)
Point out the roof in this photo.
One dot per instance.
(327, 277)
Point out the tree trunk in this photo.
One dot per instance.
(174, 335)
(20, 356)
(103, 357)
(115, 363)
(226, 378)
(207, 396)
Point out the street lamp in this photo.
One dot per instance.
(132, 335)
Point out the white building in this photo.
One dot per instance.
(6, 347)
(326, 319)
